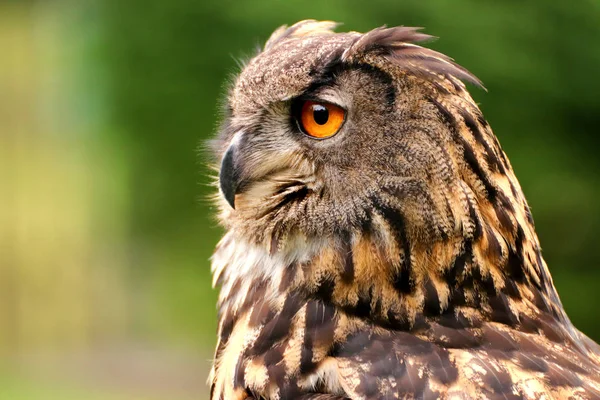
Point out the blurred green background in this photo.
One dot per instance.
(105, 227)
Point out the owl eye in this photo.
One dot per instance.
(320, 120)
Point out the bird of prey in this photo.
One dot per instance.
(378, 244)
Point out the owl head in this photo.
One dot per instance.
(326, 134)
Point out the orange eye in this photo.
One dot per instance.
(321, 120)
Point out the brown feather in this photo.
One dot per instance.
(396, 259)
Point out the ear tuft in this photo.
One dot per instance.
(398, 46)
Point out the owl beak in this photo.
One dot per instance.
(229, 175)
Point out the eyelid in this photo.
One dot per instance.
(325, 98)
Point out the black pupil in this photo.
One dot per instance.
(320, 114)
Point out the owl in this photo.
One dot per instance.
(378, 244)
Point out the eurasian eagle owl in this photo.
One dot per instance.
(378, 244)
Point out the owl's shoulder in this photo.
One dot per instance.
(304, 346)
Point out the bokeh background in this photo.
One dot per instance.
(105, 227)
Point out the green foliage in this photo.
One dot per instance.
(19, 388)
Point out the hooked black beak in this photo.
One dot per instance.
(229, 175)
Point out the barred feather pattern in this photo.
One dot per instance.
(431, 288)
